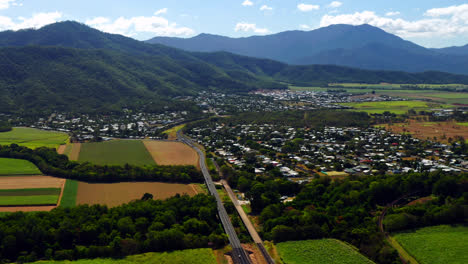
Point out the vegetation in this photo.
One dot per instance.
(28, 200)
(95, 231)
(5, 126)
(192, 256)
(33, 138)
(116, 152)
(51, 163)
(70, 192)
(436, 245)
(319, 251)
(30, 192)
(396, 107)
(17, 167)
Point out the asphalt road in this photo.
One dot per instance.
(238, 253)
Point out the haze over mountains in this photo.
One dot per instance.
(364, 46)
(70, 66)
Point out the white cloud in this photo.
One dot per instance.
(392, 13)
(160, 11)
(442, 22)
(5, 4)
(243, 26)
(306, 27)
(36, 21)
(131, 26)
(247, 3)
(335, 4)
(307, 8)
(266, 8)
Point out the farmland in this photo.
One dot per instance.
(192, 256)
(438, 244)
(115, 194)
(441, 131)
(319, 251)
(33, 138)
(69, 194)
(171, 153)
(116, 152)
(23, 197)
(17, 167)
(397, 107)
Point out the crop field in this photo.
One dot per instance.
(116, 152)
(70, 192)
(188, 256)
(114, 194)
(33, 138)
(436, 245)
(17, 167)
(319, 251)
(463, 124)
(397, 107)
(171, 153)
(172, 133)
(19, 197)
(440, 131)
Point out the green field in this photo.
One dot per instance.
(116, 152)
(69, 194)
(189, 256)
(463, 124)
(17, 167)
(33, 138)
(436, 245)
(30, 192)
(319, 251)
(28, 200)
(397, 107)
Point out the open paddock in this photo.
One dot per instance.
(171, 153)
(33, 138)
(12, 167)
(442, 131)
(114, 152)
(30, 182)
(115, 194)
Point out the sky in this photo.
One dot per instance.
(430, 23)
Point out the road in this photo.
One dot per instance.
(248, 224)
(238, 253)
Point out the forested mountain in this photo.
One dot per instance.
(462, 50)
(362, 46)
(70, 66)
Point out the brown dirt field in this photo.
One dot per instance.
(256, 256)
(425, 130)
(422, 200)
(115, 194)
(171, 153)
(61, 149)
(30, 182)
(75, 152)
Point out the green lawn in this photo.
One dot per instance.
(436, 245)
(33, 138)
(29, 200)
(397, 107)
(463, 124)
(116, 152)
(189, 256)
(69, 194)
(30, 192)
(17, 167)
(319, 251)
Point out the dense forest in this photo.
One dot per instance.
(53, 164)
(348, 209)
(5, 126)
(96, 231)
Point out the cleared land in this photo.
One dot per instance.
(438, 244)
(116, 152)
(171, 153)
(319, 251)
(189, 256)
(33, 138)
(172, 132)
(73, 152)
(17, 167)
(114, 194)
(397, 107)
(30, 182)
(428, 130)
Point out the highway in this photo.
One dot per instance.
(238, 253)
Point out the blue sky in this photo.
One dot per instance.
(430, 23)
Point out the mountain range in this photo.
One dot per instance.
(70, 66)
(363, 46)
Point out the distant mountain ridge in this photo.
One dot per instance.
(361, 46)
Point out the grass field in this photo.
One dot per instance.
(319, 251)
(397, 107)
(436, 245)
(171, 153)
(116, 152)
(114, 194)
(17, 167)
(172, 132)
(33, 138)
(463, 124)
(189, 256)
(28, 200)
(70, 192)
